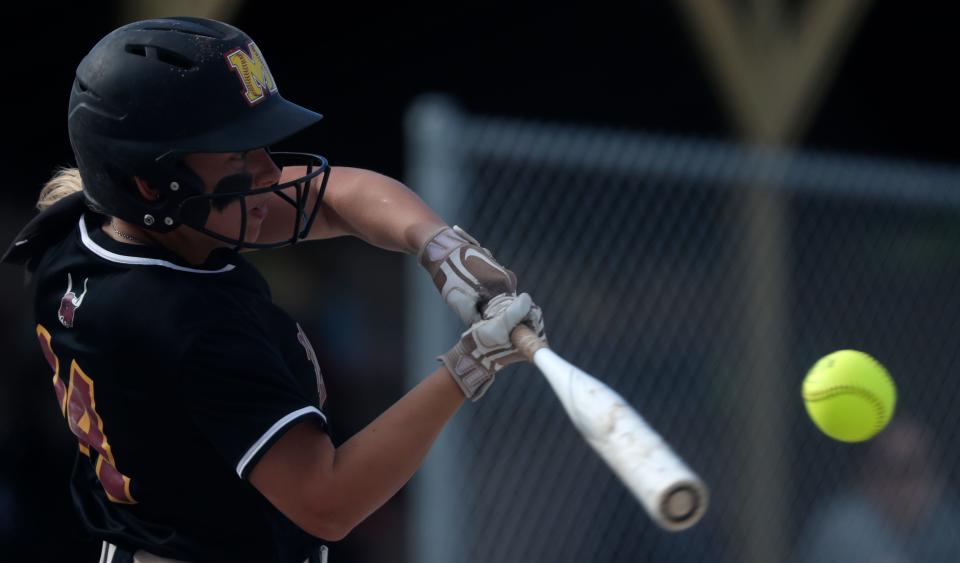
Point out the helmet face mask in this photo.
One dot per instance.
(194, 209)
(153, 91)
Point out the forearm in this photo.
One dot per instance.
(377, 461)
(379, 210)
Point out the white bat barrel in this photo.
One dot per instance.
(670, 492)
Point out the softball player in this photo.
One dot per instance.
(196, 402)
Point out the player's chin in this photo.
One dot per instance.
(250, 234)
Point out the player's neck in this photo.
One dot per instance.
(193, 248)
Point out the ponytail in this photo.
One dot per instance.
(64, 182)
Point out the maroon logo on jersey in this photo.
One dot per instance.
(69, 303)
(312, 356)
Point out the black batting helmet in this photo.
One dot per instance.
(153, 91)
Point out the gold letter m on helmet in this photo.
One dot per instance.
(253, 72)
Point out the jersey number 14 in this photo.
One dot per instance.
(78, 406)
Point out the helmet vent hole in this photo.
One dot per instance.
(163, 55)
(175, 59)
(82, 88)
(137, 50)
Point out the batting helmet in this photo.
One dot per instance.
(153, 91)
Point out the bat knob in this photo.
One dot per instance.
(682, 506)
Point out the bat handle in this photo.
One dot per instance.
(526, 341)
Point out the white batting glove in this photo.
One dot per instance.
(485, 348)
(465, 273)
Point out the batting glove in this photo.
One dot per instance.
(465, 273)
(485, 348)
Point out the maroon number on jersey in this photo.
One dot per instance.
(79, 407)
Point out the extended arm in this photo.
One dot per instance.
(361, 203)
(387, 214)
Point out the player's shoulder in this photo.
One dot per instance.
(138, 282)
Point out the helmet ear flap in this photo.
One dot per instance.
(176, 184)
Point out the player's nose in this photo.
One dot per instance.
(265, 170)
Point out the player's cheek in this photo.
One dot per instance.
(225, 220)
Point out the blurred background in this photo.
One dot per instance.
(704, 196)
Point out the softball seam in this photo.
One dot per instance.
(838, 390)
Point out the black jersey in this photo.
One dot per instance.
(175, 379)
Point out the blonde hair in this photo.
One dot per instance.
(65, 181)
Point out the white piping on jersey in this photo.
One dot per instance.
(107, 552)
(279, 425)
(138, 260)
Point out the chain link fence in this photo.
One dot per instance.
(700, 280)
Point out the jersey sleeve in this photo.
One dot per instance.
(241, 395)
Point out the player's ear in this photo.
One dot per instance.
(146, 192)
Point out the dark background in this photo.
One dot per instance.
(893, 95)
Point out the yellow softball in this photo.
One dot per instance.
(849, 395)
